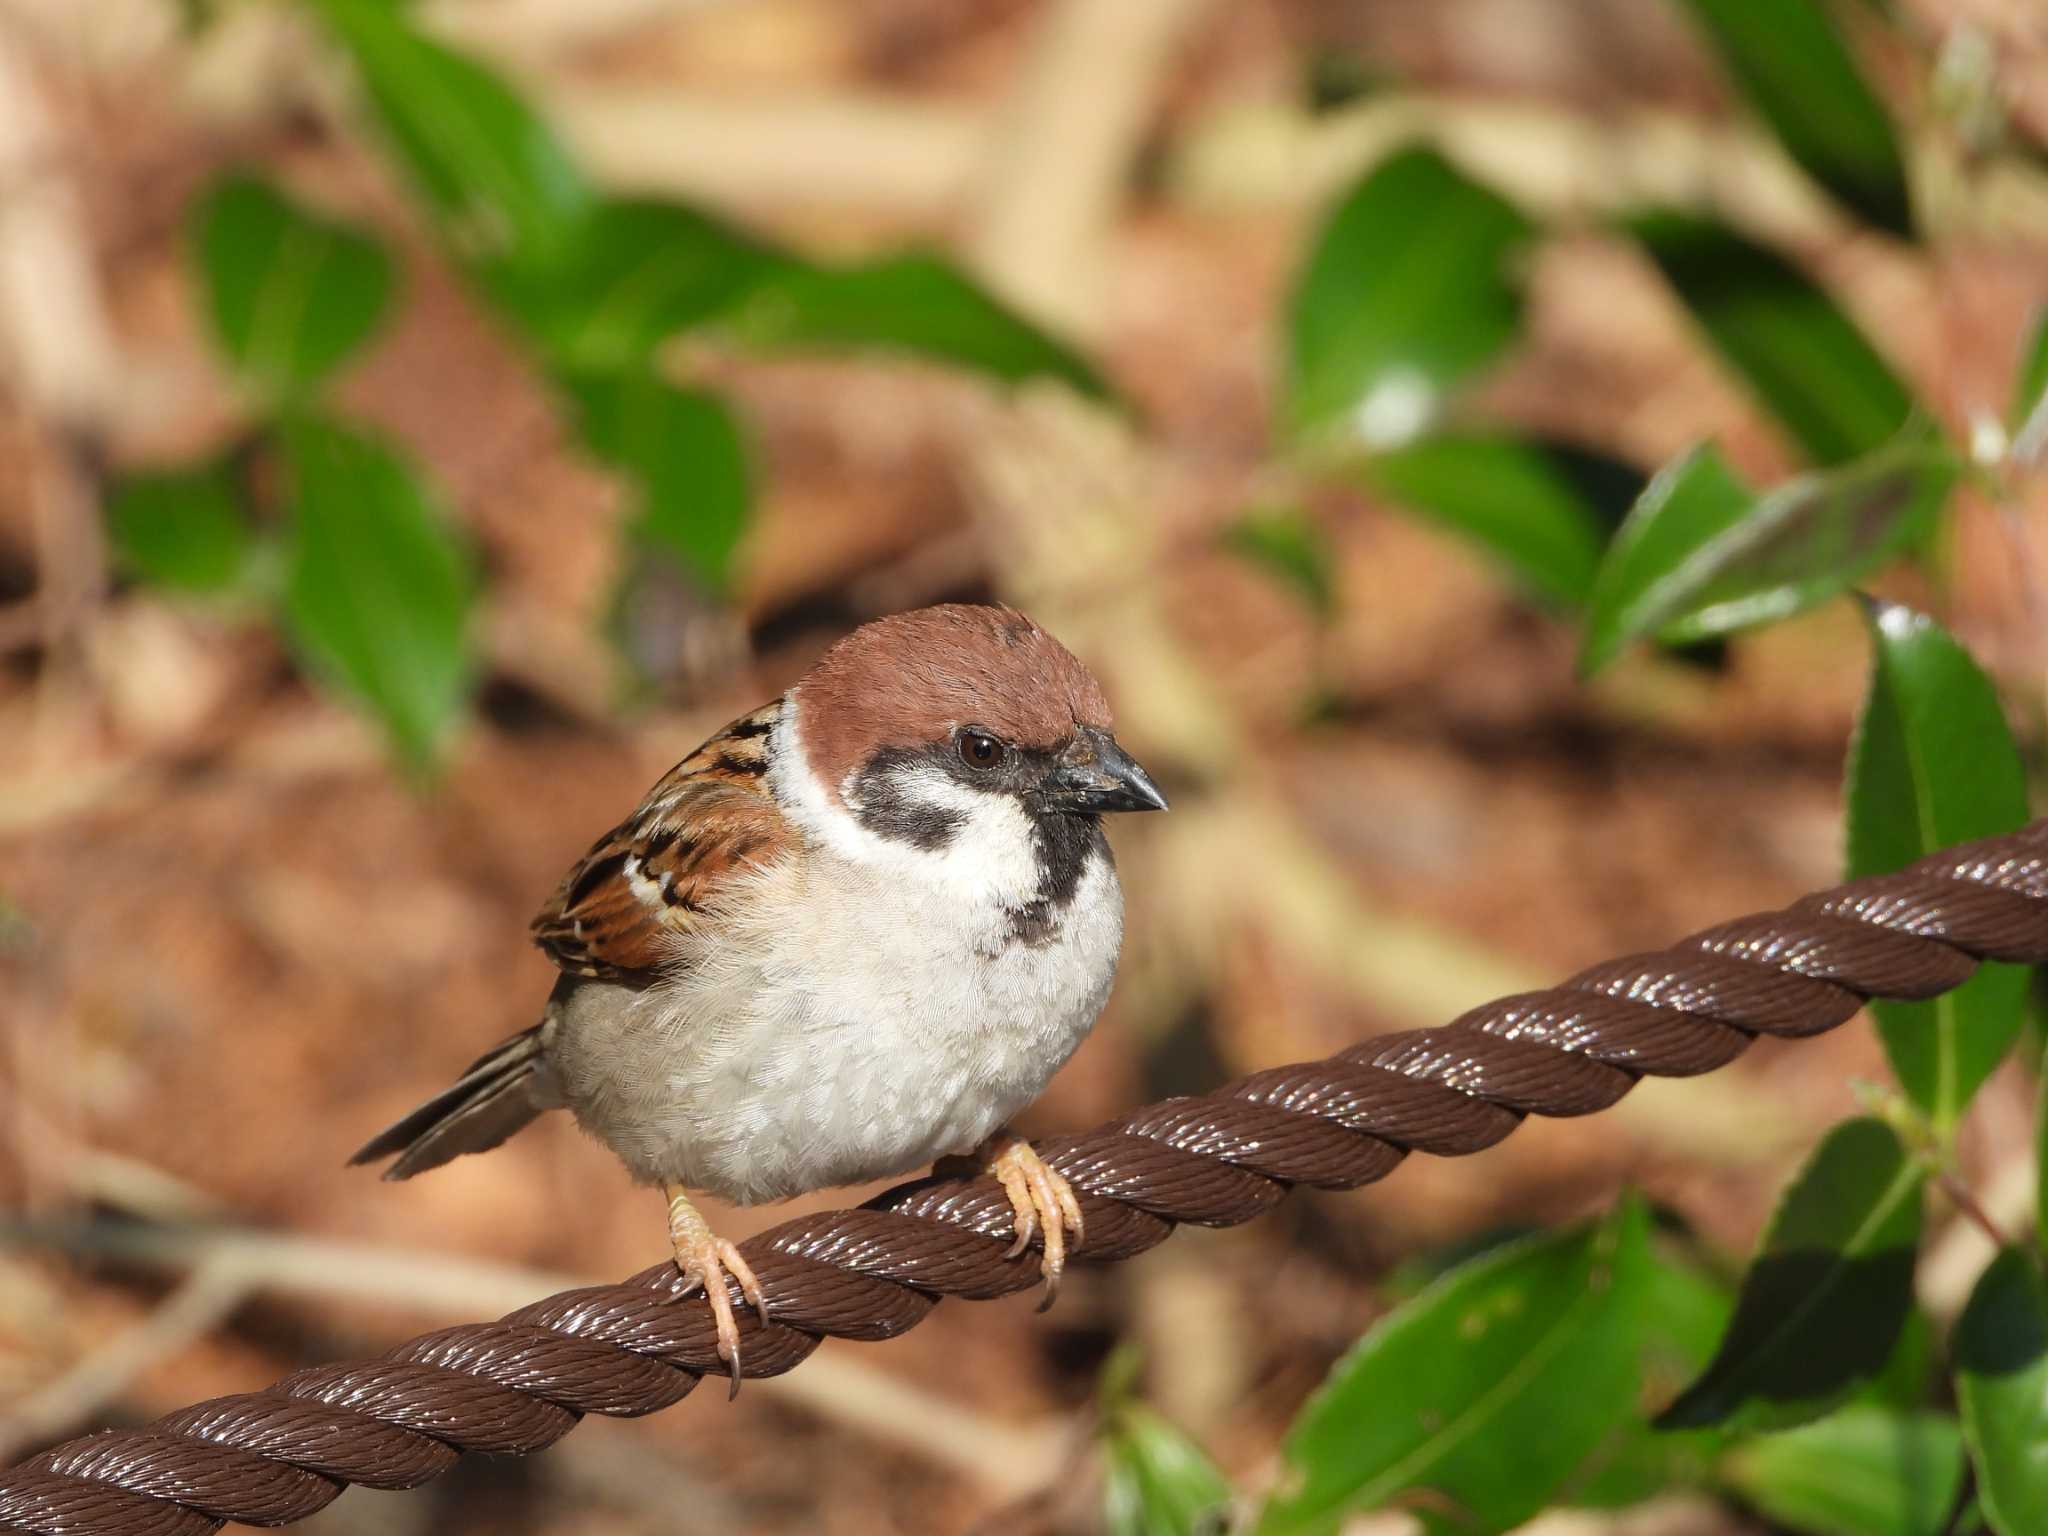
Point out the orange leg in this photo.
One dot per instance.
(1042, 1200)
(705, 1260)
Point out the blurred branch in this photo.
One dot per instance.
(202, 1301)
(875, 153)
(1952, 1262)
(57, 341)
(1006, 1459)
(1060, 165)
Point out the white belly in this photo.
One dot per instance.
(858, 1038)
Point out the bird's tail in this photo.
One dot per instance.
(497, 1095)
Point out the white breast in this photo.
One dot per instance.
(872, 1027)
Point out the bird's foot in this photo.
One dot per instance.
(1043, 1201)
(705, 1259)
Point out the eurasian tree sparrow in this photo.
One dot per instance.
(855, 931)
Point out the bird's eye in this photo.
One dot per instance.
(978, 749)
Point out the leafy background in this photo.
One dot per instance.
(1536, 478)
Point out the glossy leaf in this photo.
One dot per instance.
(378, 586)
(1825, 1297)
(2027, 416)
(1805, 360)
(1409, 289)
(638, 273)
(290, 294)
(181, 529)
(1866, 1471)
(1684, 1315)
(2001, 1357)
(1795, 70)
(2041, 1162)
(1540, 509)
(1934, 763)
(1691, 502)
(501, 188)
(1701, 556)
(1157, 1481)
(682, 448)
(915, 305)
(1471, 1404)
(1286, 543)
(1904, 1381)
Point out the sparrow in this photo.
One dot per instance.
(852, 934)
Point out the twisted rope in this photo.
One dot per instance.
(515, 1386)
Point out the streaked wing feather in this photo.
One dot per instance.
(651, 877)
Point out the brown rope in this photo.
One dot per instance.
(514, 1386)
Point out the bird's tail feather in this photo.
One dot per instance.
(494, 1098)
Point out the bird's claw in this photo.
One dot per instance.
(1043, 1202)
(705, 1259)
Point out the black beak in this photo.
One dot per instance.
(1095, 775)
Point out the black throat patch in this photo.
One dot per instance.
(1064, 845)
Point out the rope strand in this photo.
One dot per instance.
(515, 1386)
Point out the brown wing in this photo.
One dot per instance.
(650, 877)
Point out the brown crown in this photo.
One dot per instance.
(910, 679)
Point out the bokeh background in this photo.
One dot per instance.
(237, 934)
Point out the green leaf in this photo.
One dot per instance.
(1907, 1372)
(1806, 361)
(916, 304)
(182, 529)
(1934, 763)
(1533, 506)
(1825, 1297)
(2027, 416)
(1158, 1482)
(1684, 1314)
(378, 587)
(1793, 66)
(2001, 1355)
(1287, 543)
(290, 294)
(2041, 1162)
(502, 190)
(1866, 1471)
(1471, 1404)
(638, 273)
(1408, 290)
(1701, 555)
(683, 450)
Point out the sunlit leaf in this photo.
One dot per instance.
(1409, 288)
(1703, 556)
(1794, 68)
(1157, 1481)
(1690, 503)
(1806, 361)
(378, 587)
(1866, 1471)
(2027, 416)
(2001, 1356)
(183, 529)
(502, 189)
(683, 451)
(1684, 1315)
(1542, 510)
(1470, 1405)
(291, 294)
(1934, 763)
(638, 273)
(1285, 542)
(914, 305)
(1827, 1293)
